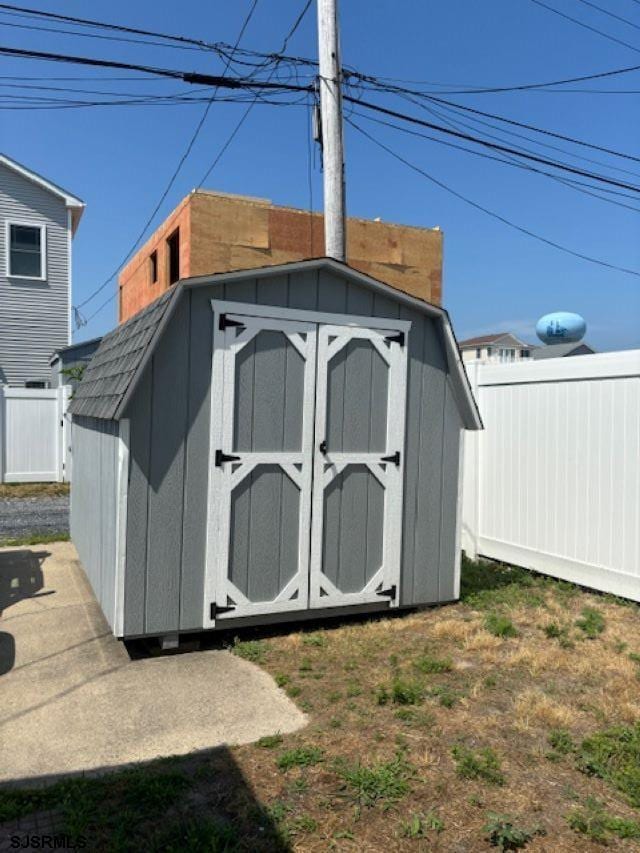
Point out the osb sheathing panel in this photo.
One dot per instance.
(221, 233)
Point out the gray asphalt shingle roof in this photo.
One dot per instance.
(116, 361)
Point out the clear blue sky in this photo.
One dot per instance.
(120, 159)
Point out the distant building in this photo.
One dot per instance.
(212, 232)
(563, 350)
(500, 347)
(37, 222)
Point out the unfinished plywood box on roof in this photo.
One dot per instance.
(283, 445)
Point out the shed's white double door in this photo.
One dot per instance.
(306, 463)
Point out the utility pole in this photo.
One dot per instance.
(331, 123)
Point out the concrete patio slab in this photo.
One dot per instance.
(72, 700)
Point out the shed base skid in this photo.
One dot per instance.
(330, 616)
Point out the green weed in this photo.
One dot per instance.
(253, 650)
(269, 741)
(505, 835)
(281, 679)
(318, 640)
(419, 825)
(594, 821)
(429, 665)
(592, 623)
(386, 782)
(499, 625)
(614, 755)
(561, 741)
(301, 756)
(483, 764)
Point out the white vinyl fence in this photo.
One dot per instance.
(553, 481)
(34, 435)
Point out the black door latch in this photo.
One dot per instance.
(221, 458)
(322, 447)
(395, 458)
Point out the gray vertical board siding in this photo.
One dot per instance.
(140, 437)
(196, 479)
(269, 388)
(264, 526)
(166, 475)
(452, 436)
(357, 386)
(94, 505)
(353, 521)
(34, 315)
(170, 457)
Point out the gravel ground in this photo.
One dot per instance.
(21, 517)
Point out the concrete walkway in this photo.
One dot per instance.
(72, 700)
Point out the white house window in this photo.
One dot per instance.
(26, 250)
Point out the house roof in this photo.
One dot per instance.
(73, 203)
(563, 350)
(117, 361)
(498, 337)
(114, 371)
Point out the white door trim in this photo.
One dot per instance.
(122, 496)
(331, 339)
(273, 311)
(222, 480)
(221, 435)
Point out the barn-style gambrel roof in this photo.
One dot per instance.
(115, 369)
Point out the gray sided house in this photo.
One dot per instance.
(37, 223)
(274, 444)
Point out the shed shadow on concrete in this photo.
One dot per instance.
(20, 578)
(202, 800)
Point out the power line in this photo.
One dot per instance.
(578, 186)
(543, 131)
(474, 90)
(226, 145)
(245, 115)
(586, 26)
(610, 14)
(504, 149)
(489, 212)
(176, 171)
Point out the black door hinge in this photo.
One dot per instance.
(221, 458)
(226, 323)
(389, 593)
(395, 458)
(322, 447)
(216, 611)
(395, 339)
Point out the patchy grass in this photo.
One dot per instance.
(301, 756)
(596, 823)
(614, 755)
(483, 764)
(253, 650)
(505, 835)
(385, 782)
(592, 623)
(35, 539)
(33, 490)
(541, 722)
(500, 626)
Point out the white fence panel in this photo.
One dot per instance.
(33, 434)
(553, 482)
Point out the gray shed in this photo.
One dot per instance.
(274, 444)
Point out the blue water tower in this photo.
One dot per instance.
(561, 327)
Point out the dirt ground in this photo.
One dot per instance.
(509, 720)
